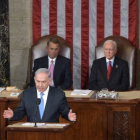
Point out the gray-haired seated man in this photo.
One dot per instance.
(110, 71)
(53, 102)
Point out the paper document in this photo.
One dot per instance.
(32, 124)
(14, 94)
(80, 92)
(55, 124)
(2, 88)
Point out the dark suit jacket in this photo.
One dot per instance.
(119, 78)
(56, 105)
(62, 71)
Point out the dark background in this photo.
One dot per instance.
(4, 44)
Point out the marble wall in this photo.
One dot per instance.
(4, 44)
(20, 24)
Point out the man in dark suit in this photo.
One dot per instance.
(110, 71)
(62, 77)
(53, 102)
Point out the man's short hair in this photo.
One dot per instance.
(43, 70)
(112, 41)
(54, 40)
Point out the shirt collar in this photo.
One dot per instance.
(45, 92)
(51, 59)
(112, 60)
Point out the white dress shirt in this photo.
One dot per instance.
(112, 61)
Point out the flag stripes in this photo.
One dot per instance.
(83, 24)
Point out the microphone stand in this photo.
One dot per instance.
(37, 103)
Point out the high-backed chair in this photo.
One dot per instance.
(39, 50)
(125, 50)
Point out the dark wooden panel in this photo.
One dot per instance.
(2, 120)
(121, 122)
(121, 125)
(44, 134)
(91, 121)
(137, 121)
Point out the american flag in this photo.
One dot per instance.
(83, 24)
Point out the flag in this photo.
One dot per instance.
(83, 24)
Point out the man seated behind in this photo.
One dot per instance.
(110, 71)
(60, 66)
(53, 102)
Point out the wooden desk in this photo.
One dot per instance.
(19, 132)
(107, 119)
(98, 119)
(3, 123)
(6, 101)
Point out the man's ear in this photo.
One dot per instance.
(47, 48)
(34, 79)
(116, 52)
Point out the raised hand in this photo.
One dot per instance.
(72, 116)
(8, 113)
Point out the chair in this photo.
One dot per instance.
(39, 50)
(125, 50)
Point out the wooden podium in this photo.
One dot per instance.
(96, 119)
(19, 132)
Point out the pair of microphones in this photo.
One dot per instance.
(37, 103)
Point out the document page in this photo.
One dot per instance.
(55, 124)
(2, 88)
(80, 92)
(32, 124)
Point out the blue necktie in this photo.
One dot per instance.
(41, 106)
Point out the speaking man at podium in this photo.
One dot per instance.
(53, 102)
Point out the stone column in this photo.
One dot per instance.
(20, 26)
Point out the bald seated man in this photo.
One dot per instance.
(110, 71)
(54, 102)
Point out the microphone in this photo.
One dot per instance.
(37, 103)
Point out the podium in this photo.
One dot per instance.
(96, 119)
(19, 132)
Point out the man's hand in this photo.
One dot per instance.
(72, 116)
(8, 113)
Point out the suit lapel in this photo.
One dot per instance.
(46, 64)
(57, 67)
(34, 99)
(104, 68)
(48, 103)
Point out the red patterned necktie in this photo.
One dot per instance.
(109, 70)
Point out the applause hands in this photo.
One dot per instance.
(8, 113)
(72, 116)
